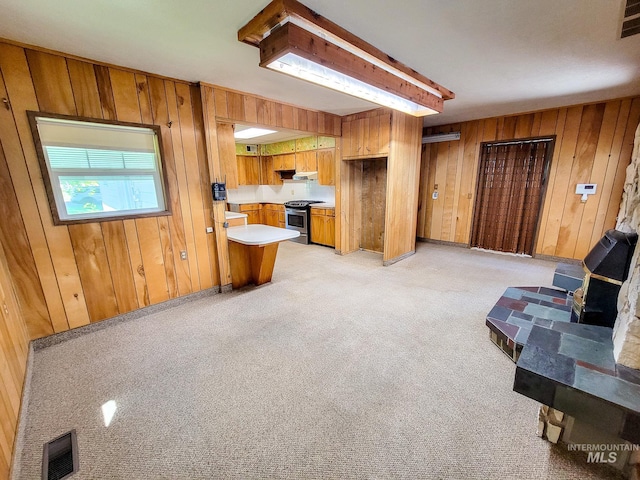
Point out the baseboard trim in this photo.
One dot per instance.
(442, 242)
(386, 263)
(61, 337)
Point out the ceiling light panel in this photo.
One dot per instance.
(297, 41)
(252, 133)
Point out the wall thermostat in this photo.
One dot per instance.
(586, 189)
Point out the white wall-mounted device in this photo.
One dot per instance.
(585, 189)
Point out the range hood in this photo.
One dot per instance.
(306, 176)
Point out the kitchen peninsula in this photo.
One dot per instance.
(252, 252)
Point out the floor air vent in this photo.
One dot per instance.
(60, 458)
(631, 20)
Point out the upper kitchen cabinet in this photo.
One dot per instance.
(284, 162)
(248, 170)
(268, 175)
(327, 167)
(306, 161)
(366, 137)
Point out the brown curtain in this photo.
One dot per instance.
(509, 196)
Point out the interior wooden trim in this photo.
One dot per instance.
(253, 32)
(291, 38)
(33, 115)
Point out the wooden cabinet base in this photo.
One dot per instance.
(251, 264)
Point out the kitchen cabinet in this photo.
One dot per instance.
(248, 170)
(366, 137)
(323, 226)
(273, 214)
(326, 167)
(286, 161)
(307, 161)
(268, 175)
(251, 209)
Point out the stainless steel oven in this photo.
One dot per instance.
(297, 218)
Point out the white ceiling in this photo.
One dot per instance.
(498, 56)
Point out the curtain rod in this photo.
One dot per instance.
(518, 142)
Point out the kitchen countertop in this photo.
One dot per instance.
(323, 205)
(257, 234)
(230, 215)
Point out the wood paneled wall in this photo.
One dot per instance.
(14, 345)
(403, 175)
(593, 145)
(68, 276)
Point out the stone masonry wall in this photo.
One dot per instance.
(626, 332)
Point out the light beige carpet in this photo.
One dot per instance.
(340, 368)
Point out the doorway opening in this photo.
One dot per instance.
(511, 183)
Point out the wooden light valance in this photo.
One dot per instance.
(289, 27)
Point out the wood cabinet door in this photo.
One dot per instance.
(326, 167)
(306, 161)
(253, 216)
(248, 171)
(317, 228)
(330, 231)
(268, 174)
(366, 137)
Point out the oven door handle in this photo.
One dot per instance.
(291, 210)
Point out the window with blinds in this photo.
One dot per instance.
(96, 170)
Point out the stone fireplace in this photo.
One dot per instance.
(626, 331)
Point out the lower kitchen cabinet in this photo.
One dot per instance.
(251, 209)
(323, 226)
(273, 214)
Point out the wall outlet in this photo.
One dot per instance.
(434, 195)
(209, 229)
(183, 255)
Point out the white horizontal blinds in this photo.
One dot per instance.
(74, 158)
(97, 136)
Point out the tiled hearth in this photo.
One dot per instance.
(570, 367)
(521, 308)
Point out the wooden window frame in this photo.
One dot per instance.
(162, 171)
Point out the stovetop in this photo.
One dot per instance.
(300, 203)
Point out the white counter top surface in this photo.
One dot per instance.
(257, 234)
(230, 215)
(323, 205)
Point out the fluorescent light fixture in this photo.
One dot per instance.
(252, 133)
(295, 40)
(108, 411)
(441, 137)
(299, 67)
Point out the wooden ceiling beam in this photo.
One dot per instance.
(278, 10)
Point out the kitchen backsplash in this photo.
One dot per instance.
(290, 190)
